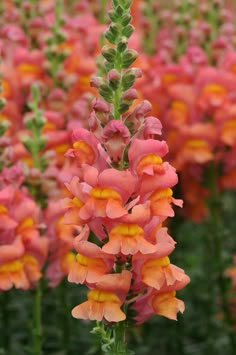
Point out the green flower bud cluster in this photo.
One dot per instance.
(117, 59)
(54, 55)
(35, 142)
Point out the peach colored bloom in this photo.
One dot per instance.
(105, 300)
(90, 264)
(128, 239)
(167, 305)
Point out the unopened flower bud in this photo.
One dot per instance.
(99, 105)
(130, 95)
(122, 45)
(109, 53)
(143, 109)
(97, 81)
(129, 56)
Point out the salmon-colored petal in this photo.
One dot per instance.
(5, 282)
(113, 313)
(129, 245)
(81, 311)
(168, 307)
(112, 246)
(115, 210)
(77, 273)
(96, 310)
(154, 277)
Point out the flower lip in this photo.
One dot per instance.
(101, 296)
(104, 193)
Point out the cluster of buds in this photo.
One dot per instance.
(121, 196)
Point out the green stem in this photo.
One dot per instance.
(65, 317)
(118, 92)
(120, 346)
(5, 326)
(217, 234)
(37, 321)
(149, 39)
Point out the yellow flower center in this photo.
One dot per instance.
(27, 68)
(214, 89)
(155, 263)
(78, 203)
(105, 193)
(24, 224)
(103, 296)
(61, 148)
(230, 124)
(11, 266)
(6, 89)
(197, 143)
(168, 78)
(162, 297)
(3, 209)
(29, 259)
(160, 194)
(85, 153)
(149, 159)
(179, 105)
(67, 261)
(83, 260)
(127, 230)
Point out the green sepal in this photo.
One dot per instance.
(27, 142)
(2, 102)
(127, 31)
(128, 57)
(127, 80)
(106, 92)
(114, 84)
(126, 4)
(122, 45)
(113, 16)
(109, 53)
(125, 20)
(124, 106)
(112, 33)
(115, 3)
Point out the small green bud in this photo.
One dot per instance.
(127, 30)
(122, 45)
(123, 107)
(27, 142)
(41, 143)
(128, 57)
(113, 16)
(4, 125)
(128, 79)
(126, 20)
(120, 11)
(106, 92)
(2, 102)
(114, 79)
(126, 4)
(112, 33)
(109, 53)
(115, 3)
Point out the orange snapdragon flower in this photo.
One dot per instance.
(105, 300)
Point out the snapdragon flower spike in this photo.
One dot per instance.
(122, 193)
